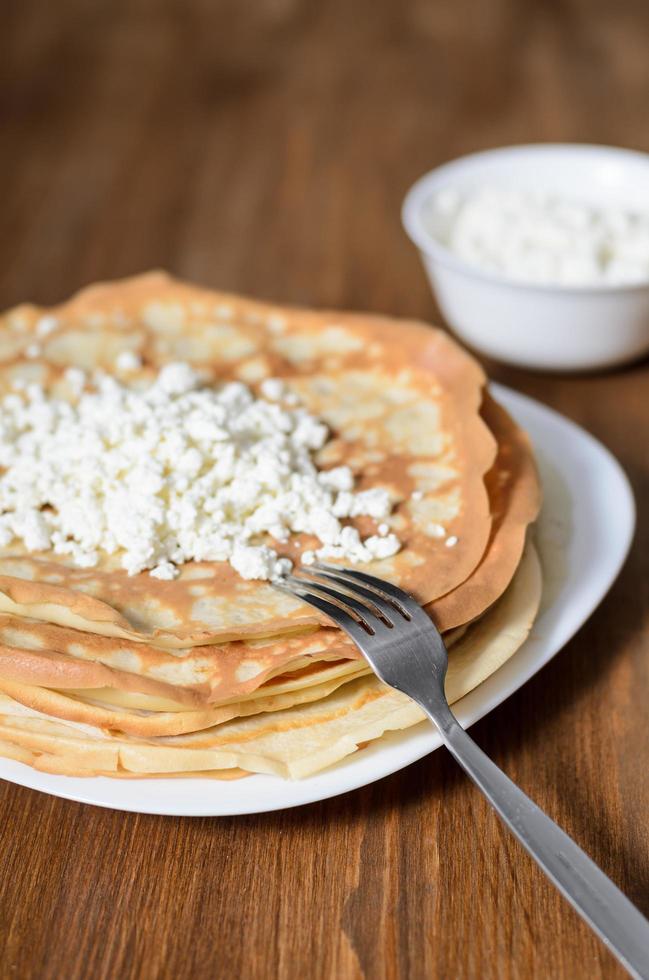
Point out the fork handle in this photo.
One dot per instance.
(603, 906)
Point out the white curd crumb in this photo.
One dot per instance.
(374, 502)
(273, 389)
(177, 378)
(338, 478)
(308, 557)
(451, 541)
(76, 379)
(258, 562)
(165, 570)
(382, 547)
(33, 350)
(416, 495)
(383, 530)
(46, 325)
(128, 360)
(436, 530)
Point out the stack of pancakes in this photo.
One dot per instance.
(106, 673)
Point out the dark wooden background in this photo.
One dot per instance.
(265, 146)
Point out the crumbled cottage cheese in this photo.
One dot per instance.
(174, 473)
(534, 236)
(128, 360)
(46, 325)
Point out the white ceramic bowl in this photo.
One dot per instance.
(564, 328)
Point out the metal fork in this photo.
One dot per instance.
(406, 651)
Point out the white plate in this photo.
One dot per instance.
(583, 542)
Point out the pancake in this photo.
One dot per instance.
(93, 708)
(211, 674)
(160, 711)
(295, 742)
(402, 403)
(39, 653)
(514, 493)
(36, 653)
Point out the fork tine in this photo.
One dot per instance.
(334, 612)
(364, 608)
(382, 606)
(367, 585)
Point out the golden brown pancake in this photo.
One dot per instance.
(402, 403)
(33, 652)
(210, 674)
(293, 742)
(515, 498)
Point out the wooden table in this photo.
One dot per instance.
(266, 148)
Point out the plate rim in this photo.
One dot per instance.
(353, 772)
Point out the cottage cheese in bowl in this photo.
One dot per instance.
(539, 255)
(535, 236)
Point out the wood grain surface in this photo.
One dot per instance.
(265, 146)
